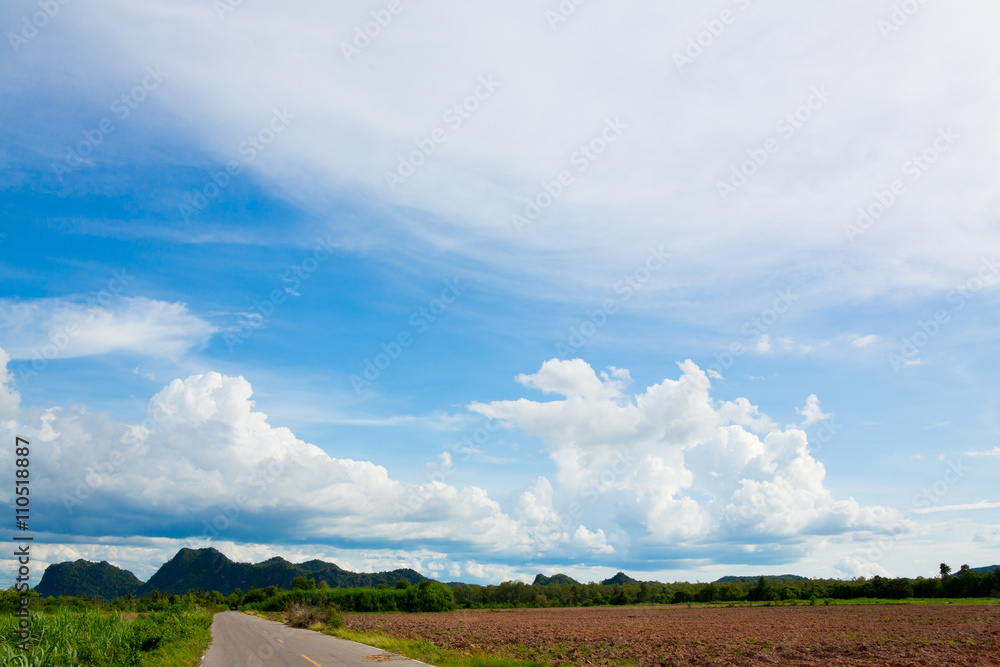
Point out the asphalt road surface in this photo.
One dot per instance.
(239, 640)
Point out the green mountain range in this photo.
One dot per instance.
(208, 570)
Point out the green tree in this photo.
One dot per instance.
(945, 570)
(760, 590)
(434, 596)
(303, 584)
(235, 598)
(402, 584)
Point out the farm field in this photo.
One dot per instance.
(892, 635)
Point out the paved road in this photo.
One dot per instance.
(239, 640)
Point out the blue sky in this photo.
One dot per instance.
(681, 291)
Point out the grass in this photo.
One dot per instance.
(918, 601)
(425, 651)
(184, 651)
(92, 639)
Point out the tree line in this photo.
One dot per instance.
(433, 596)
(966, 583)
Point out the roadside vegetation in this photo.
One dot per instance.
(72, 632)
(427, 596)
(425, 651)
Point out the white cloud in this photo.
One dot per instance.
(348, 134)
(204, 449)
(852, 567)
(764, 344)
(204, 457)
(987, 535)
(864, 341)
(10, 400)
(989, 452)
(595, 542)
(65, 328)
(812, 412)
(573, 378)
(685, 467)
(981, 505)
(667, 469)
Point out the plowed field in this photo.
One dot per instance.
(897, 635)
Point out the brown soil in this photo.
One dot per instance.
(896, 635)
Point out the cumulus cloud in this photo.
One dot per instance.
(62, 328)
(851, 567)
(812, 411)
(671, 466)
(659, 475)
(205, 464)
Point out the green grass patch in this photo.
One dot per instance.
(425, 651)
(917, 601)
(93, 639)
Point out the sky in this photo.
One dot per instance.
(684, 290)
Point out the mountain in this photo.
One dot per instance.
(542, 580)
(211, 570)
(753, 580)
(87, 579)
(985, 570)
(621, 578)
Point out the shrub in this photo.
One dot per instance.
(301, 616)
(305, 616)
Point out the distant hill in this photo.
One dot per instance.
(542, 580)
(621, 578)
(86, 579)
(753, 580)
(984, 570)
(211, 570)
